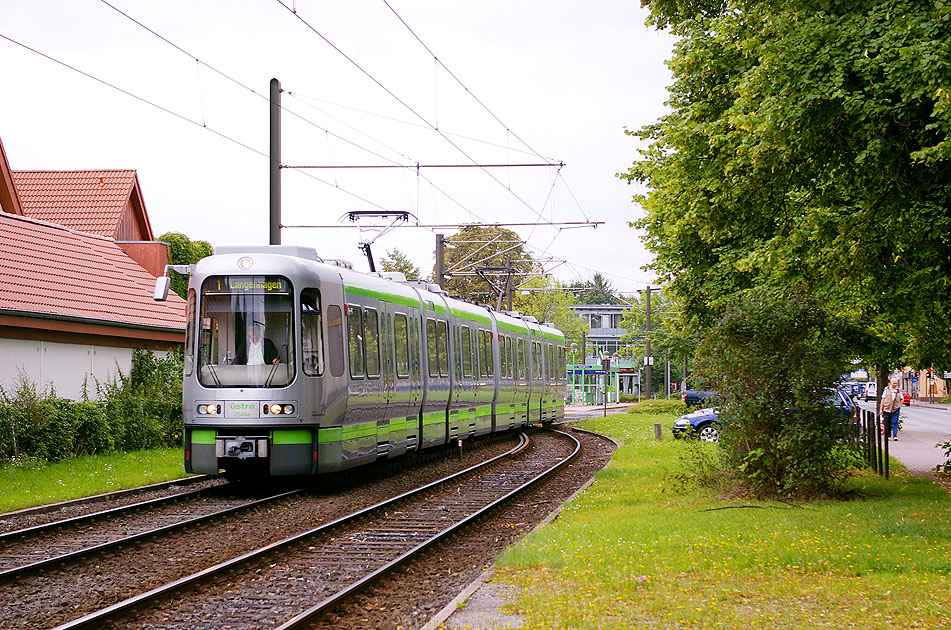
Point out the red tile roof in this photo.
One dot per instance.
(89, 201)
(47, 268)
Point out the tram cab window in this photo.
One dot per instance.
(401, 338)
(189, 358)
(355, 340)
(311, 333)
(246, 336)
(371, 342)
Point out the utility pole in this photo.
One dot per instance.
(275, 167)
(508, 284)
(648, 359)
(441, 261)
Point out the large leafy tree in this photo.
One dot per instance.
(807, 146)
(184, 251)
(484, 246)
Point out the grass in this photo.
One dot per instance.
(634, 551)
(35, 483)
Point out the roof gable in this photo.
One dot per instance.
(50, 269)
(103, 202)
(9, 201)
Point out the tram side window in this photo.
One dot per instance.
(355, 327)
(503, 360)
(487, 343)
(431, 347)
(312, 343)
(457, 352)
(537, 359)
(508, 353)
(371, 341)
(520, 359)
(442, 349)
(335, 339)
(401, 338)
(466, 351)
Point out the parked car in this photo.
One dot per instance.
(698, 397)
(702, 423)
(907, 396)
(705, 423)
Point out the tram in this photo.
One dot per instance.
(294, 365)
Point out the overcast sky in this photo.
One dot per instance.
(564, 78)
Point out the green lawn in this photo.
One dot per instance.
(40, 483)
(636, 551)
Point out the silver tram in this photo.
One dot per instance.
(298, 366)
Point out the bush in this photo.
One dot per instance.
(773, 359)
(660, 405)
(139, 411)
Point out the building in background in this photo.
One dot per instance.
(77, 269)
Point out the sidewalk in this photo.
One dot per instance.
(583, 410)
(915, 447)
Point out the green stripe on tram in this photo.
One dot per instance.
(203, 436)
(292, 436)
(380, 295)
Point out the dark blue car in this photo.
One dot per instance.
(705, 424)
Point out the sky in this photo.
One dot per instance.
(177, 90)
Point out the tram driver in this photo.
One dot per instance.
(256, 349)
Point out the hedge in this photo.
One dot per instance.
(136, 411)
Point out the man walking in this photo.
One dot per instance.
(892, 399)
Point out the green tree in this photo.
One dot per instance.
(396, 260)
(484, 246)
(547, 301)
(673, 336)
(598, 290)
(774, 358)
(184, 252)
(807, 146)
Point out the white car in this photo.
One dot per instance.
(871, 391)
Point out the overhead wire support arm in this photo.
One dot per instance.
(365, 245)
(415, 166)
(564, 225)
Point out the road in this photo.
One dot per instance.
(921, 428)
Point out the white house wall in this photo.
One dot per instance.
(62, 366)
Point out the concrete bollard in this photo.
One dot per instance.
(658, 432)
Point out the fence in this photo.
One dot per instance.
(871, 440)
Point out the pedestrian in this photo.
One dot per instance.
(892, 400)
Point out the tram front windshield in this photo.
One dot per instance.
(247, 332)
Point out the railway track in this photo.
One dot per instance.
(34, 548)
(289, 583)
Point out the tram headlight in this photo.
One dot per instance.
(209, 410)
(277, 409)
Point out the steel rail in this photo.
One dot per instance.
(118, 510)
(105, 496)
(34, 566)
(97, 618)
(308, 615)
